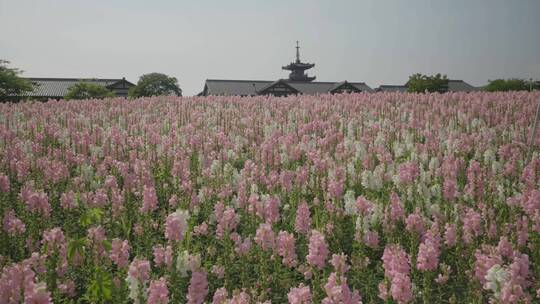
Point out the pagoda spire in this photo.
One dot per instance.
(297, 68)
(297, 52)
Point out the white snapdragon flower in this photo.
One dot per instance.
(360, 151)
(436, 191)
(366, 177)
(378, 177)
(253, 189)
(349, 202)
(376, 214)
(489, 156)
(380, 140)
(231, 154)
(496, 277)
(500, 192)
(133, 286)
(409, 141)
(228, 171)
(351, 170)
(496, 167)
(182, 263)
(215, 167)
(399, 149)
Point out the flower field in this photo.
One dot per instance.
(361, 198)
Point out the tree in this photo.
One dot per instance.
(512, 84)
(155, 84)
(86, 90)
(12, 87)
(420, 83)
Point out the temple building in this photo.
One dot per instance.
(297, 83)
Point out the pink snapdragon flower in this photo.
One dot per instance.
(371, 238)
(429, 251)
(339, 262)
(120, 252)
(220, 296)
(302, 223)
(363, 205)
(218, 271)
(396, 208)
(472, 225)
(37, 202)
(318, 250)
(12, 224)
(158, 292)
(338, 292)
(504, 247)
(227, 222)
(415, 222)
(286, 248)
(485, 259)
(198, 288)
(176, 225)
(139, 270)
(67, 200)
(401, 288)
(408, 172)
(201, 229)
(397, 270)
(299, 295)
(4, 183)
(96, 235)
(271, 210)
(265, 237)
(36, 293)
(163, 255)
(150, 201)
(450, 234)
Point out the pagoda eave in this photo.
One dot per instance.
(295, 66)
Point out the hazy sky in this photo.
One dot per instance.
(378, 42)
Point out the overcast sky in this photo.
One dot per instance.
(378, 42)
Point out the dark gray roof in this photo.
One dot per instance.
(234, 87)
(252, 87)
(58, 87)
(391, 88)
(320, 87)
(460, 86)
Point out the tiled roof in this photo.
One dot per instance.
(460, 86)
(251, 87)
(58, 87)
(234, 87)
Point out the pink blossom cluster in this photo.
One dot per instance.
(318, 250)
(397, 271)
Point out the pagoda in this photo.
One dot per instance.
(297, 68)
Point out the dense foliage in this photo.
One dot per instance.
(12, 87)
(387, 198)
(419, 83)
(87, 90)
(155, 84)
(513, 84)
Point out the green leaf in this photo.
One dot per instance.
(107, 245)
